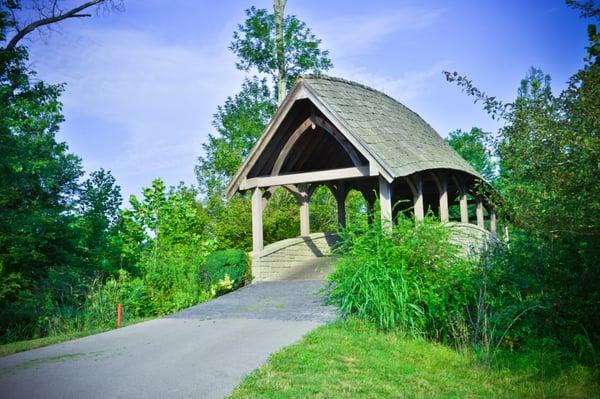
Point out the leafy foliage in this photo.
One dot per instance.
(471, 146)
(241, 120)
(255, 45)
(238, 123)
(411, 279)
(543, 289)
(549, 162)
(229, 262)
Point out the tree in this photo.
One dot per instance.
(38, 176)
(548, 150)
(282, 55)
(257, 46)
(165, 240)
(53, 232)
(242, 119)
(47, 13)
(278, 8)
(238, 123)
(98, 208)
(165, 218)
(472, 147)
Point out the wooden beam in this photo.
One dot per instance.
(257, 222)
(492, 221)
(294, 191)
(283, 154)
(313, 121)
(297, 158)
(304, 210)
(464, 208)
(306, 177)
(385, 202)
(296, 92)
(479, 212)
(331, 129)
(340, 193)
(416, 186)
(441, 182)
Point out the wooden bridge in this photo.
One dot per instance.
(347, 136)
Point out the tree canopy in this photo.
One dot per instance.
(255, 44)
(471, 146)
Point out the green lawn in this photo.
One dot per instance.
(21, 346)
(352, 359)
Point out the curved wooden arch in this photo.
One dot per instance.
(313, 121)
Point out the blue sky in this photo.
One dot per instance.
(142, 85)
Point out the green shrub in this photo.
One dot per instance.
(411, 279)
(543, 287)
(228, 262)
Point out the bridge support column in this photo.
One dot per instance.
(444, 200)
(340, 199)
(492, 222)
(304, 210)
(479, 212)
(257, 222)
(441, 181)
(385, 202)
(464, 209)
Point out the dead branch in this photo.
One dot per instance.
(54, 18)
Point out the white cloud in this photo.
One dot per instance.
(157, 99)
(354, 35)
(405, 87)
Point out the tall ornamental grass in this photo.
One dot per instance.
(410, 278)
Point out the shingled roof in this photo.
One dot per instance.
(397, 137)
(396, 141)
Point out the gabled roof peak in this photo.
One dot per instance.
(395, 140)
(322, 76)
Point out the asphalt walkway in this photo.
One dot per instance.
(201, 352)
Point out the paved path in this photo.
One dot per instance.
(201, 352)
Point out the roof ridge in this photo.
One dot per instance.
(352, 83)
(363, 86)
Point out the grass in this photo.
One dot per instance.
(353, 359)
(21, 346)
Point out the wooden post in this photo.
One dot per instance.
(444, 216)
(479, 212)
(304, 210)
(442, 184)
(418, 198)
(385, 202)
(257, 222)
(416, 186)
(340, 198)
(464, 209)
(492, 221)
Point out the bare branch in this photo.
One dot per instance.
(73, 13)
(496, 108)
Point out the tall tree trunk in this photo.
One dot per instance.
(279, 6)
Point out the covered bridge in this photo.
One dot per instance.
(338, 133)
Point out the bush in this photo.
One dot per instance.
(544, 288)
(411, 278)
(228, 264)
